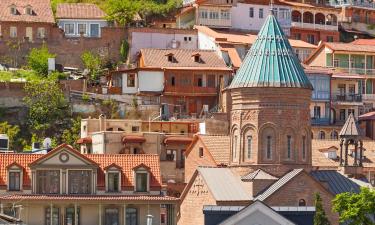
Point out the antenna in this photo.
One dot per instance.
(271, 7)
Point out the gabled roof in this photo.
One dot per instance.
(364, 42)
(271, 61)
(350, 128)
(224, 185)
(258, 174)
(79, 11)
(157, 58)
(42, 11)
(279, 184)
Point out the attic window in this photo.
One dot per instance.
(29, 10)
(13, 10)
(197, 57)
(170, 57)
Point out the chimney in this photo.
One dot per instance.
(102, 122)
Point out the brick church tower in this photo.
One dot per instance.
(271, 94)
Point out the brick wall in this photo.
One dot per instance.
(68, 50)
(319, 35)
(303, 187)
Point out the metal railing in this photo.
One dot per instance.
(315, 26)
(360, 71)
(320, 121)
(352, 97)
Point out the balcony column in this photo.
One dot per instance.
(314, 20)
(51, 214)
(346, 152)
(365, 64)
(355, 153)
(341, 143)
(100, 214)
(124, 222)
(76, 214)
(350, 63)
(302, 11)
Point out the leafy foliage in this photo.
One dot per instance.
(12, 131)
(72, 134)
(320, 217)
(124, 49)
(110, 109)
(93, 63)
(38, 60)
(355, 208)
(47, 107)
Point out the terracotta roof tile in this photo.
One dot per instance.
(350, 47)
(178, 140)
(218, 146)
(364, 42)
(124, 161)
(42, 12)
(157, 58)
(79, 11)
(234, 57)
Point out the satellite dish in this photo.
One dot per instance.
(47, 143)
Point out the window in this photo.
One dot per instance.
(316, 112)
(342, 89)
(185, 38)
(283, 14)
(322, 135)
(173, 81)
(289, 146)
(297, 36)
(342, 114)
(29, 10)
(69, 29)
(82, 29)
(251, 12)
(334, 135)
(13, 10)
(351, 111)
(171, 155)
(203, 14)
(131, 216)
(200, 82)
(214, 15)
(79, 182)
(235, 147)
(311, 38)
(141, 180)
(189, 38)
(70, 218)
(41, 32)
(269, 147)
(113, 181)
(225, 14)
(135, 129)
(131, 80)
(201, 152)
(112, 217)
(329, 38)
(13, 32)
(14, 181)
(302, 202)
(303, 147)
(336, 63)
(48, 181)
(55, 215)
(260, 13)
(170, 58)
(197, 58)
(249, 140)
(351, 89)
(94, 30)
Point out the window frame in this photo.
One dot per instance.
(68, 181)
(136, 222)
(68, 27)
(99, 30)
(261, 13)
(106, 216)
(251, 12)
(78, 32)
(113, 172)
(130, 80)
(289, 146)
(48, 213)
(269, 147)
(200, 152)
(20, 178)
(249, 143)
(13, 32)
(38, 32)
(48, 175)
(141, 171)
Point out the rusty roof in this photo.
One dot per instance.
(79, 11)
(41, 11)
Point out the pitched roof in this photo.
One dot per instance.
(350, 128)
(278, 184)
(364, 41)
(42, 11)
(350, 47)
(218, 146)
(367, 116)
(234, 57)
(337, 183)
(182, 59)
(224, 185)
(79, 11)
(271, 61)
(124, 161)
(258, 174)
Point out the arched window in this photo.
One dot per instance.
(303, 147)
(302, 202)
(235, 145)
(322, 135)
(334, 135)
(268, 140)
(289, 146)
(248, 140)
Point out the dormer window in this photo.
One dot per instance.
(13, 10)
(197, 57)
(14, 177)
(113, 178)
(29, 10)
(170, 57)
(142, 178)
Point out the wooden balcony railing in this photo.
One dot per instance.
(190, 90)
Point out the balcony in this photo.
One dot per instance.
(315, 26)
(215, 22)
(339, 97)
(357, 71)
(364, 4)
(190, 90)
(319, 121)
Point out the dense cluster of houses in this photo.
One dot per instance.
(250, 126)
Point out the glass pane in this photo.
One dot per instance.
(80, 182)
(131, 216)
(141, 182)
(94, 30)
(111, 217)
(113, 182)
(48, 181)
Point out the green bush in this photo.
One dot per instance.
(37, 60)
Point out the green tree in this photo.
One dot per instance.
(124, 49)
(37, 60)
(12, 131)
(47, 107)
(320, 217)
(355, 208)
(73, 133)
(93, 63)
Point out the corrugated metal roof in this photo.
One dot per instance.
(218, 208)
(337, 183)
(258, 174)
(278, 184)
(271, 61)
(350, 127)
(224, 185)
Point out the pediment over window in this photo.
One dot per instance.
(113, 167)
(14, 166)
(64, 155)
(142, 167)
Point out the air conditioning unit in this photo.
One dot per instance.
(36, 145)
(4, 142)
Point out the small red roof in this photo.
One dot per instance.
(364, 42)
(85, 140)
(133, 139)
(41, 11)
(178, 140)
(79, 11)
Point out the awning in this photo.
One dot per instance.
(348, 76)
(85, 140)
(178, 140)
(133, 139)
(367, 116)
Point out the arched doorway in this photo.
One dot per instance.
(308, 17)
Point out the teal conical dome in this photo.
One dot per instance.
(271, 61)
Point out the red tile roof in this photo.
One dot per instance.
(178, 140)
(85, 140)
(350, 47)
(133, 139)
(124, 161)
(79, 11)
(364, 42)
(42, 12)
(89, 197)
